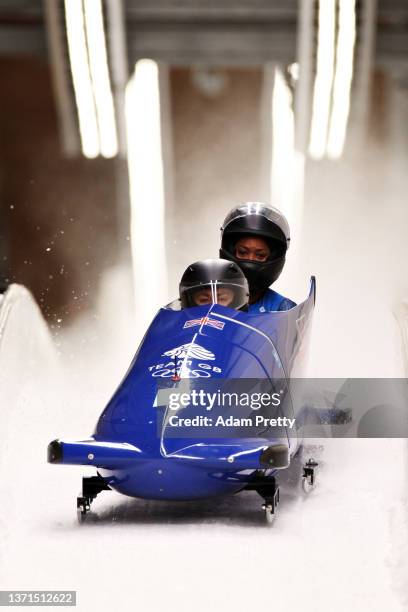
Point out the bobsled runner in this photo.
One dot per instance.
(140, 448)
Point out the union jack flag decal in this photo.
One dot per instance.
(204, 321)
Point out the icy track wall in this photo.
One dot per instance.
(28, 377)
(401, 513)
(401, 314)
(26, 349)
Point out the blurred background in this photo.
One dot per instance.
(129, 128)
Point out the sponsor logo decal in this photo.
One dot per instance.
(181, 361)
(204, 321)
(192, 350)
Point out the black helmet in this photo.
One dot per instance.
(214, 281)
(257, 219)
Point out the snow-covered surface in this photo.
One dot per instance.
(344, 546)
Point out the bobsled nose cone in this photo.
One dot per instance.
(54, 452)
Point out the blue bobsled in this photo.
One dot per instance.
(139, 447)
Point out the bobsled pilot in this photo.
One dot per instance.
(214, 281)
(256, 237)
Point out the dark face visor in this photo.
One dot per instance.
(224, 293)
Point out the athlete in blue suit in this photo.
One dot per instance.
(256, 237)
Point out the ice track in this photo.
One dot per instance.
(342, 547)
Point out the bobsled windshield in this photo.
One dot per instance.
(224, 293)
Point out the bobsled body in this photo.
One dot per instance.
(138, 447)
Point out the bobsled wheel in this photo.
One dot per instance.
(309, 475)
(307, 486)
(83, 509)
(270, 513)
(91, 487)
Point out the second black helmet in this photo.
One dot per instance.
(214, 281)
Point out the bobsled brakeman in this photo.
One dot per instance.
(200, 343)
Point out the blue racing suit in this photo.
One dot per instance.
(271, 301)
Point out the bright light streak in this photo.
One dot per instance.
(294, 71)
(343, 78)
(98, 62)
(283, 135)
(81, 78)
(287, 164)
(146, 181)
(324, 78)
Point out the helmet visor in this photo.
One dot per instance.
(224, 293)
